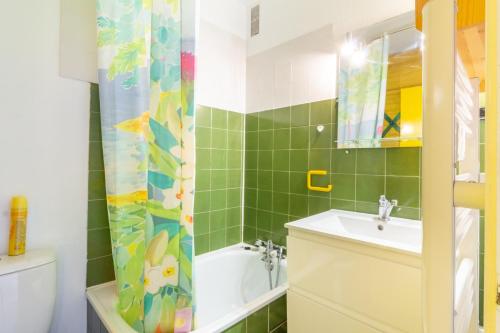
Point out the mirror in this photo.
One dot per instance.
(380, 86)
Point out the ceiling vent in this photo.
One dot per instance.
(255, 21)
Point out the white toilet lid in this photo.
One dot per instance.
(30, 259)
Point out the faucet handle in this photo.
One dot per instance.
(382, 200)
(394, 203)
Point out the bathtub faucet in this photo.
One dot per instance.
(385, 207)
(271, 251)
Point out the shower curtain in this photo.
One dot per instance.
(362, 90)
(146, 77)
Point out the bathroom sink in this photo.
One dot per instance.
(398, 234)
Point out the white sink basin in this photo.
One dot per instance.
(399, 234)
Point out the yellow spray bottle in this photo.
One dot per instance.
(18, 217)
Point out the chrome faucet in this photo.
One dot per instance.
(271, 253)
(385, 207)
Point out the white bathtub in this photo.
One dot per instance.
(230, 284)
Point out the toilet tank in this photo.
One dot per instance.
(27, 292)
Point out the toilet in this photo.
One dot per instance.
(27, 292)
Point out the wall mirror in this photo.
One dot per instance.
(380, 86)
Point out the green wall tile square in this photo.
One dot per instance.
(97, 214)
(343, 204)
(219, 118)
(217, 220)
(281, 160)
(97, 185)
(300, 115)
(298, 182)
(233, 218)
(203, 137)
(481, 234)
(319, 159)
(252, 140)
(251, 178)
(250, 198)
(234, 140)
(100, 270)
(251, 159)
(234, 198)
(95, 127)
(217, 199)
(482, 158)
(298, 205)
(234, 159)
(403, 161)
(369, 188)
(263, 234)
(233, 235)
(299, 160)
(203, 116)
(321, 112)
(235, 121)
(240, 327)
(266, 140)
(279, 221)
(367, 207)
(265, 160)
(277, 313)
(265, 180)
(343, 186)
(251, 122)
(219, 158)
(318, 205)
(299, 138)
(406, 213)
(405, 190)
(343, 161)
(201, 201)
(249, 235)
(95, 105)
(282, 138)
(280, 202)
(219, 138)
(201, 223)
(281, 181)
(217, 240)
(233, 178)
(322, 139)
(203, 159)
(202, 244)
(264, 220)
(282, 118)
(98, 243)
(96, 161)
(371, 161)
(202, 180)
(218, 179)
(266, 119)
(265, 200)
(279, 238)
(250, 217)
(482, 131)
(258, 321)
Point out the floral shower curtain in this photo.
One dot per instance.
(362, 90)
(146, 77)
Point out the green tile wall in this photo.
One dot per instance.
(282, 144)
(269, 319)
(481, 227)
(99, 258)
(219, 179)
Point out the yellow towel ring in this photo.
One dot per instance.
(310, 187)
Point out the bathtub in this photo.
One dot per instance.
(230, 284)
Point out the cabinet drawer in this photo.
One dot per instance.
(305, 315)
(377, 289)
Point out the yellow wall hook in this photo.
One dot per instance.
(310, 187)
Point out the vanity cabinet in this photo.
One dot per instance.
(343, 285)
